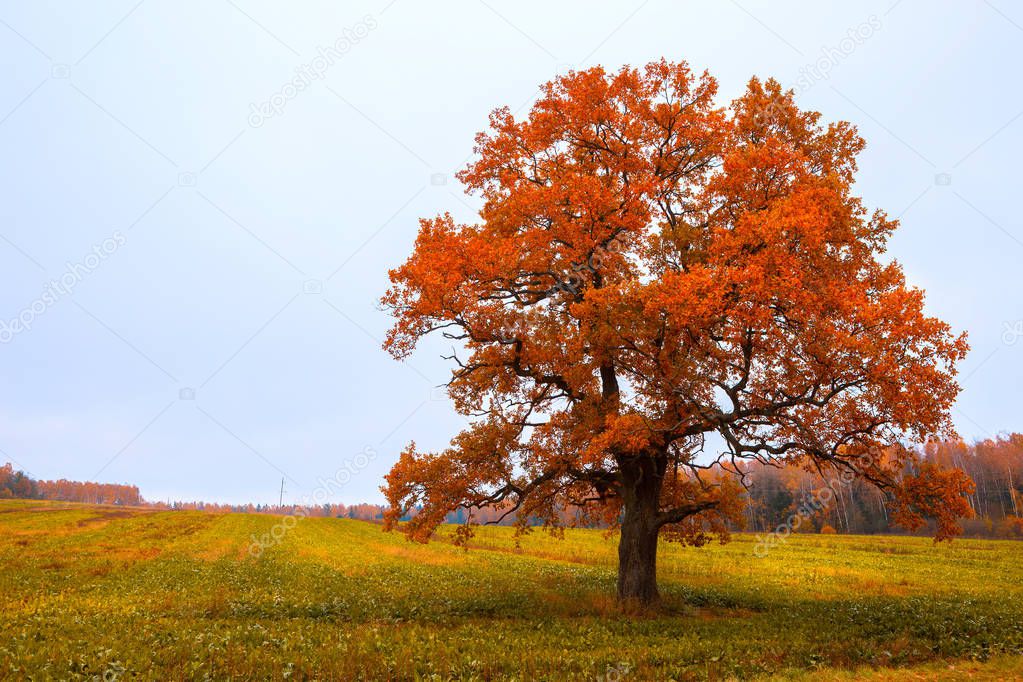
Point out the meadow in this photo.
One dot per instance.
(112, 593)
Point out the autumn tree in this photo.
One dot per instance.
(652, 277)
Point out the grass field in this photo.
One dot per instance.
(111, 593)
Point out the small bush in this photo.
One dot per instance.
(1010, 527)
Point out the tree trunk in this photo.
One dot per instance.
(637, 548)
(637, 559)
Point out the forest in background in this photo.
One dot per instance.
(779, 499)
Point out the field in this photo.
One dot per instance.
(112, 593)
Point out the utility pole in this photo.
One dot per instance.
(281, 502)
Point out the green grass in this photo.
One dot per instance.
(136, 594)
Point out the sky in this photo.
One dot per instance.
(201, 199)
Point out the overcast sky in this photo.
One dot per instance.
(191, 248)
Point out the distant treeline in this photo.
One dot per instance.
(775, 497)
(995, 465)
(362, 512)
(18, 484)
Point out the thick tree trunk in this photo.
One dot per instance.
(637, 548)
(637, 559)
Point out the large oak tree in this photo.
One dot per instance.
(657, 284)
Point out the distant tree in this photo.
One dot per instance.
(650, 269)
(16, 484)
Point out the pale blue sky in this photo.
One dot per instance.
(245, 253)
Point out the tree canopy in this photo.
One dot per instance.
(658, 288)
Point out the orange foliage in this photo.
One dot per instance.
(89, 492)
(938, 493)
